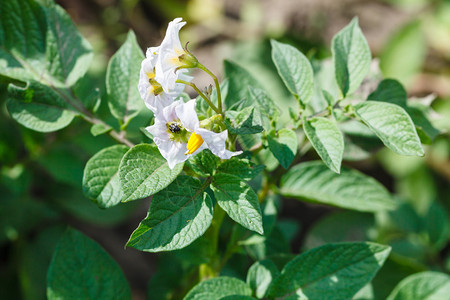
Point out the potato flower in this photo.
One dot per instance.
(178, 134)
(157, 83)
(173, 60)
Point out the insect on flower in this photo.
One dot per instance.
(178, 134)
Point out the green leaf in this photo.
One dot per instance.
(144, 172)
(328, 98)
(242, 168)
(177, 216)
(238, 297)
(426, 131)
(40, 42)
(81, 269)
(68, 55)
(283, 146)
(217, 288)
(327, 139)
(122, 77)
(333, 271)
(239, 79)
(295, 70)
(204, 163)
(392, 125)
(360, 142)
(101, 176)
(425, 285)
(314, 182)
(260, 276)
(239, 200)
(22, 34)
(87, 93)
(38, 107)
(405, 53)
(266, 105)
(247, 121)
(366, 293)
(99, 129)
(436, 221)
(390, 90)
(351, 56)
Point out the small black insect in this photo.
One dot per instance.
(174, 128)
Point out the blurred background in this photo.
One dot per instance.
(41, 174)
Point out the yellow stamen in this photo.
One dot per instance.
(155, 87)
(194, 142)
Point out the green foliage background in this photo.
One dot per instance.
(42, 173)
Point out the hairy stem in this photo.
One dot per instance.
(192, 85)
(216, 82)
(89, 117)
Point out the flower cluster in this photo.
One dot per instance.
(177, 131)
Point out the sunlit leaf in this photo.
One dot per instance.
(218, 288)
(38, 107)
(425, 285)
(314, 182)
(40, 42)
(295, 70)
(333, 271)
(392, 125)
(101, 176)
(260, 275)
(327, 139)
(283, 145)
(177, 216)
(239, 200)
(122, 77)
(144, 172)
(239, 79)
(351, 56)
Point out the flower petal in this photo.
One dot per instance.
(172, 34)
(216, 143)
(167, 62)
(187, 115)
(172, 151)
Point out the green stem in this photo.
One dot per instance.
(78, 105)
(256, 148)
(216, 82)
(212, 269)
(89, 117)
(192, 85)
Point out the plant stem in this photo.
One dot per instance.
(121, 138)
(78, 105)
(256, 148)
(89, 117)
(192, 85)
(212, 269)
(216, 82)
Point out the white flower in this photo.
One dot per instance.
(156, 89)
(171, 57)
(178, 135)
(150, 90)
